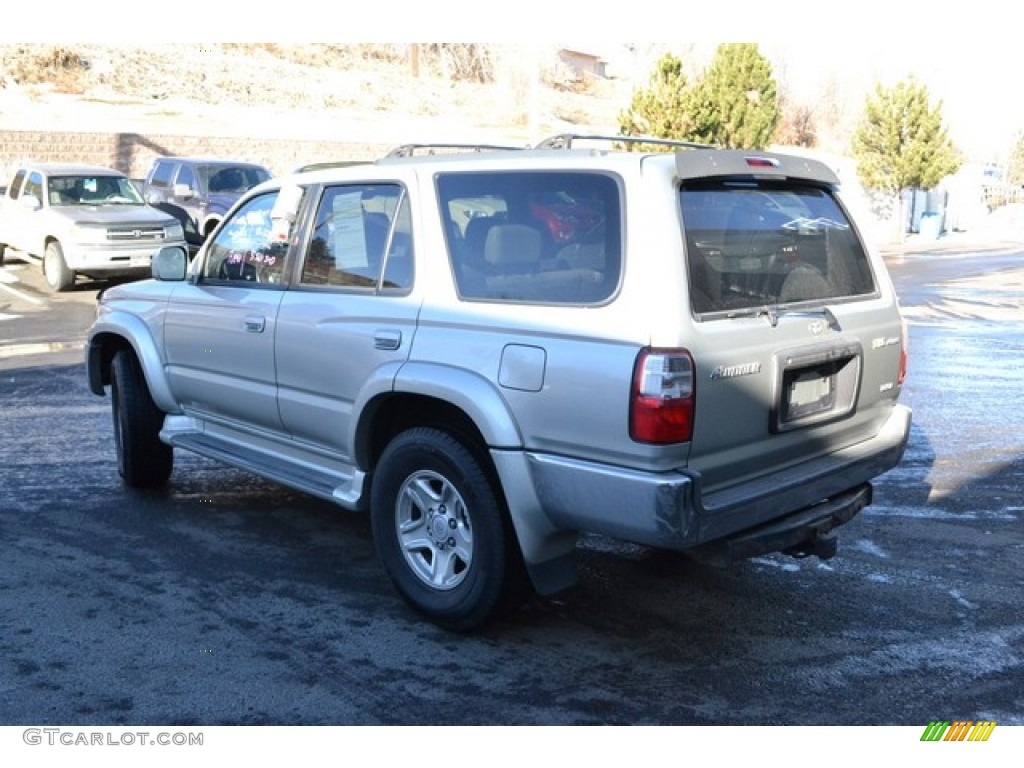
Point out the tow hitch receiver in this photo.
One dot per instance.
(824, 546)
(809, 531)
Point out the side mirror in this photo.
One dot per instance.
(170, 263)
(183, 190)
(31, 202)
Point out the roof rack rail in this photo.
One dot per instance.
(408, 150)
(565, 140)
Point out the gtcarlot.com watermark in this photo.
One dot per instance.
(69, 738)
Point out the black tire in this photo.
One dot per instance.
(55, 268)
(143, 461)
(441, 532)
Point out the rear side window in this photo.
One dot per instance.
(548, 237)
(362, 239)
(753, 245)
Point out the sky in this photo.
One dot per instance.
(964, 52)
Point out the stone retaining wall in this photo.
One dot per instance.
(133, 153)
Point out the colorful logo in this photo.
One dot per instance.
(961, 730)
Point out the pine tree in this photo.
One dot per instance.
(1015, 168)
(901, 142)
(660, 109)
(736, 103)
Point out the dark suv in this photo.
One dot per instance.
(199, 191)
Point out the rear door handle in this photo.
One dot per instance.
(255, 323)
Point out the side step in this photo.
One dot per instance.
(333, 485)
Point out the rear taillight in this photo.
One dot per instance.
(661, 401)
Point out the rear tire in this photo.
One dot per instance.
(55, 268)
(441, 532)
(143, 461)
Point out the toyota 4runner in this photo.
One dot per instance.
(492, 352)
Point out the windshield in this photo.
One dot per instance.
(92, 190)
(231, 179)
(753, 245)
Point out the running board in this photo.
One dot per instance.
(345, 489)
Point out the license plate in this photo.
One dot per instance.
(141, 261)
(808, 393)
(816, 384)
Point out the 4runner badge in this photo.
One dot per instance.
(732, 371)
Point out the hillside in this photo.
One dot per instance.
(454, 92)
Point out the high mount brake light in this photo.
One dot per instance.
(762, 162)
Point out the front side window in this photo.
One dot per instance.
(34, 186)
(550, 237)
(362, 238)
(162, 172)
(186, 177)
(250, 247)
(753, 245)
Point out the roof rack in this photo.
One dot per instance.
(565, 140)
(408, 150)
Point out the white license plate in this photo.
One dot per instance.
(810, 391)
(141, 261)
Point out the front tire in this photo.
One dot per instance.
(143, 461)
(441, 532)
(55, 268)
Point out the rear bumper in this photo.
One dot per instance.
(785, 510)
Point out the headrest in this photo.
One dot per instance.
(511, 244)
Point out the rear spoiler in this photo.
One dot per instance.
(709, 163)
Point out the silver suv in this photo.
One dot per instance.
(492, 352)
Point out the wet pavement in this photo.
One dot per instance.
(227, 600)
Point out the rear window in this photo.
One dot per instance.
(548, 237)
(753, 245)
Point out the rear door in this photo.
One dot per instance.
(349, 317)
(796, 333)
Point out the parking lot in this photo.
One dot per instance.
(225, 600)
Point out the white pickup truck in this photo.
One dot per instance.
(81, 219)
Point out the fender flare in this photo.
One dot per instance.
(118, 327)
(467, 390)
(546, 549)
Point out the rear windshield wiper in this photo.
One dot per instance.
(773, 313)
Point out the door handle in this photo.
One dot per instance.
(255, 324)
